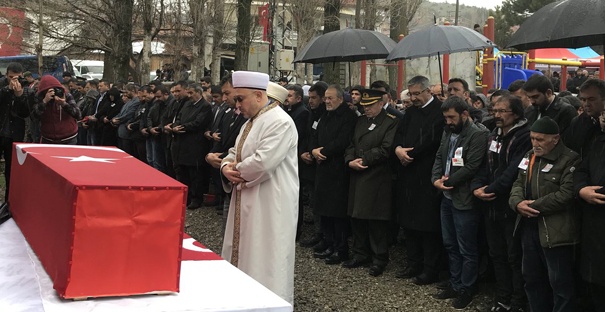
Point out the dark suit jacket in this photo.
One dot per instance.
(190, 148)
(561, 112)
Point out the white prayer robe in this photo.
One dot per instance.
(269, 202)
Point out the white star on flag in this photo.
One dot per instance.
(86, 158)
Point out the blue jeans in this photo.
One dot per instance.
(149, 149)
(548, 272)
(158, 156)
(460, 229)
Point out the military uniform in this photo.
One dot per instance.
(370, 190)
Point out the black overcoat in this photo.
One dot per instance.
(416, 199)
(334, 132)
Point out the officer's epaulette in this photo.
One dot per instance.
(391, 115)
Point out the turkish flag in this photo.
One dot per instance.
(195, 251)
(102, 222)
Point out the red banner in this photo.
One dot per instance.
(11, 31)
(263, 19)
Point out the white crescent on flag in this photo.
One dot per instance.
(188, 244)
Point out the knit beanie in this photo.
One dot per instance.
(47, 82)
(545, 125)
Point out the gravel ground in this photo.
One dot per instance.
(320, 287)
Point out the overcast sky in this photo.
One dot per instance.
(490, 4)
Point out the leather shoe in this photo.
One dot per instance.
(355, 263)
(324, 254)
(447, 293)
(194, 205)
(321, 246)
(337, 258)
(312, 241)
(376, 270)
(408, 272)
(443, 284)
(424, 279)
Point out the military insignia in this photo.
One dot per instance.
(572, 169)
(391, 115)
(365, 95)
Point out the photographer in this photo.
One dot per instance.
(14, 108)
(57, 111)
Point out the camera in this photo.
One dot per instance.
(59, 92)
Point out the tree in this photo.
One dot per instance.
(502, 30)
(152, 14)
(218, 26)
(243, 35)
(516, 11)
(331, 23)
(402, 13)
(199, 19)
(305, 23)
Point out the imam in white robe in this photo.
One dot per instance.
(269, 202)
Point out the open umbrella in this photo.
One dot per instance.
(563, 24)
(346, 45)
(437, 40)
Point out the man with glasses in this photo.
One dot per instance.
(508, 142)
(417, 200)
(544, 102)
(262, 172)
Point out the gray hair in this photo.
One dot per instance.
(339, 91)
(419, 80)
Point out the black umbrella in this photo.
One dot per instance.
(346, 45)
(563, 24)
(437, 40)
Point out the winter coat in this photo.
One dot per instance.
(552, 189)
(417, 200)
(334, 132)
(370, 190)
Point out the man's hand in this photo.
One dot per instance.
(590, 195)
(481, 194)
(144, 131)
(214, 159)
(525, 210)
(208, 135)
(15, 85)
(402, 154)
(357, 164)
(168, 128)
(306, 157)
(439, 184)
(105, 120)
(216, 136)
(50, 95)
(115, 121)
(232, 174)
(179, 129)
(129, 126)
(317, 154)
(154, 130)
(92, 118)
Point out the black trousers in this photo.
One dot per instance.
(506, 254)
(371, 240)
(597, 294)
(424, 251)
(336, 233)
(196, 178)
(6, 150)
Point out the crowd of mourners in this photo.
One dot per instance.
(514, 179)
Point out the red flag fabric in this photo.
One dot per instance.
(101, 222)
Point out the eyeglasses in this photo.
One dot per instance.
(501, 111)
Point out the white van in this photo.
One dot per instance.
(89, 69)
